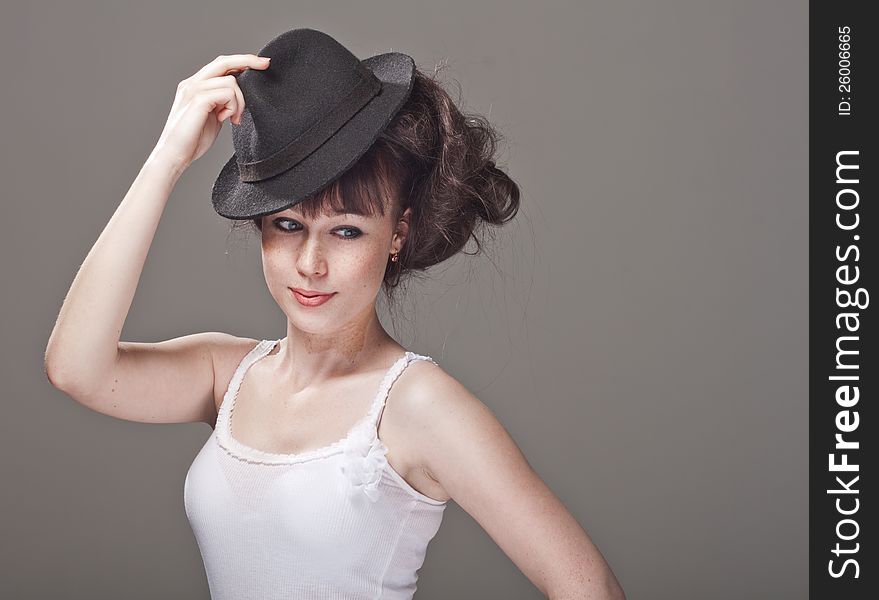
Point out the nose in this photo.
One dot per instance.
(311, 260)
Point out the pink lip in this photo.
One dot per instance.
(310, 298)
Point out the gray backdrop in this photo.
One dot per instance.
(640, 329)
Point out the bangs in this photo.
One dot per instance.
(365, 189)
(369, 188)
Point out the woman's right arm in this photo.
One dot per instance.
(170, 381)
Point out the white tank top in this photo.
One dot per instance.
(333, 523)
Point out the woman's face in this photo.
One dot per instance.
(344, 255)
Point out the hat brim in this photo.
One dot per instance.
(235, 199)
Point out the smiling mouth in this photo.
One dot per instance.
(310, 293)
(314, 299)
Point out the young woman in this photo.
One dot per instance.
(335, 450)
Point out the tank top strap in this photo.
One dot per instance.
(257, 352)
(378, 405)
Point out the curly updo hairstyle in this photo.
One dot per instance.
(436, 160)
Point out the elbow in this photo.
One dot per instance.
(62, 378)
(56, 378)
(52, 373)
(74, 377)
(60, 364)
(55, 372)
(52, 368)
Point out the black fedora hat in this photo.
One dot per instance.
(308, 117)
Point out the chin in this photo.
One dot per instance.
(317, 324)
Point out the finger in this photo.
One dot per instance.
(222, 100)
(223, 64)
(222, 82)
(225, 81)
(240, 96)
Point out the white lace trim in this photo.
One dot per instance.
(364, 454)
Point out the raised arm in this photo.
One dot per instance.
(165, 382)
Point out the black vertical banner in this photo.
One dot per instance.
(843, 68)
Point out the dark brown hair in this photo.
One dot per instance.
(436, 160)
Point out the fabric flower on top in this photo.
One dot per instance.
(364, 459)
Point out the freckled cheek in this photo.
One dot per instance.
(343, 267)
(275, 264)
(360, 268)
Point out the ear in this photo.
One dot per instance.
(401, 231)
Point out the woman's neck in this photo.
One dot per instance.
(308, 358)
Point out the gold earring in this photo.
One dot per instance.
(395, 257)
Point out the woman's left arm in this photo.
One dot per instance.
(472, 456)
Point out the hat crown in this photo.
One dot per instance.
(292, 103)
(307, 119)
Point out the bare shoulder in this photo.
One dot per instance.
(427, 386)
(227, 351)
(439, 412)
